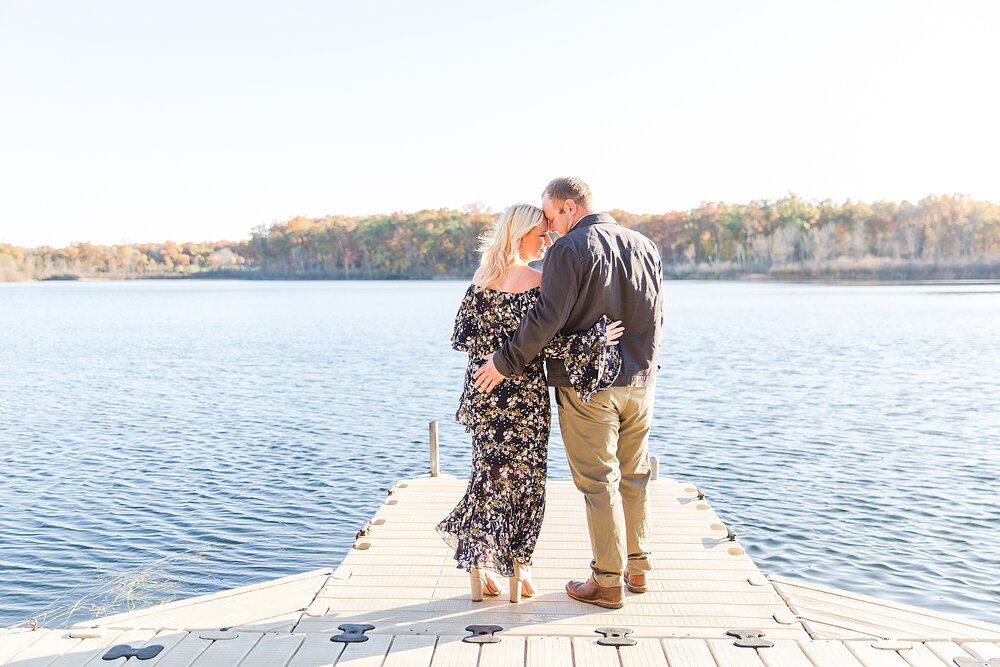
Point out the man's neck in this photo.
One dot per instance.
(581, 217)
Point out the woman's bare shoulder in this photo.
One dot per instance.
(528, 278)
(477, 277)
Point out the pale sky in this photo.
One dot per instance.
(147, 121)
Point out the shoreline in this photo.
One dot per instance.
(745, 278)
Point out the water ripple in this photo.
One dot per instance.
(167, 439)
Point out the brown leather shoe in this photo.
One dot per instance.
(636, 583)
(609, 597)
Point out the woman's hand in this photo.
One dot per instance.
(615, 331)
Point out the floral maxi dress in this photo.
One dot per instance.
(497, 521)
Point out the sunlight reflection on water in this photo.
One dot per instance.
(215, 434)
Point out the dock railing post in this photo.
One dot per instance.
(654, 467)
(435, 461)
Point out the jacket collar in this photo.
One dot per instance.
(593, 219)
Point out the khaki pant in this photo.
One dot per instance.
(607, 446)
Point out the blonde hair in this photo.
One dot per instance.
(499, 245)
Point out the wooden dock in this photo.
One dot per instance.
(400, 578)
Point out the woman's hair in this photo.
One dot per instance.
(499, 244)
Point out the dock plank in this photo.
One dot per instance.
(896, 618)
(545, 651)
(728, 655)
(921, 656)
(869, 656)
(45, 650)
(688, 653)
(645, 653)
(365, 654)
(184, 652)
(228, 652)
(271, 624)
(784, 654)
(509, 651)
(947, 651)
(316, 650)
(88, 649)
(819, 630)
(451, 651)
(239, 606)
(985, 650)
(830, 653)
(13, 643)
(273, 650)
(868, 625)
(412, 651)
(588, 653)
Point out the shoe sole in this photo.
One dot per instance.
(599, 603)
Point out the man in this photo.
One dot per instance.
(598, 268)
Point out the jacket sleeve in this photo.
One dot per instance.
(659, 287)
(560, 287)
(591, 364)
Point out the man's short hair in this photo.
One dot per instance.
(569, 187)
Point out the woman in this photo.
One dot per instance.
(495, 525)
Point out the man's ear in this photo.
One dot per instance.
(570, 207)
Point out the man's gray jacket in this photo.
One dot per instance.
(598, 268)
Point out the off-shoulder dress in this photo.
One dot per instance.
(497, 521)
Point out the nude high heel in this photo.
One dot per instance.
(515, 585)
(476, 581)
(482, 585)
(527, 585)
(520, 585)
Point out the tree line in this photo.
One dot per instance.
(938, 237)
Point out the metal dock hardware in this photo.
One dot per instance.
(126, 651)
(483, 634)
(615, 637)
(353, 633)
(749, 638)
(730, 533)
(435, 470)
(971, 662)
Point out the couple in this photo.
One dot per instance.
(594, 315)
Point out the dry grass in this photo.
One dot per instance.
(119, 593)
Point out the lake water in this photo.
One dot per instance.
(163, 439)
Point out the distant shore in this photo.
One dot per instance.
(948, 277)
(949, 237)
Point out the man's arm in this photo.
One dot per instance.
(560, 287)
(659, 288)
